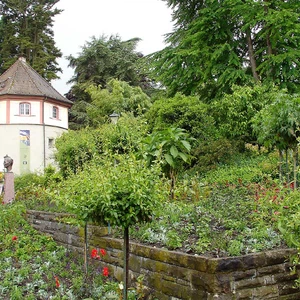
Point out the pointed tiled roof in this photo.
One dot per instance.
(22, 79)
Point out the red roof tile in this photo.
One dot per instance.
(22, 79)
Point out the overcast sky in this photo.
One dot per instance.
(149, 20)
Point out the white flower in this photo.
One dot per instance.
(121, 287)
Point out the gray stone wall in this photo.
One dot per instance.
(171, 275)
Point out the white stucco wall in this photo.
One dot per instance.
(15, 117)
(62, 120)
(2, 112)
(39, 154)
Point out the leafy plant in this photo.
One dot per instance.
(121, 191)
(171, 147)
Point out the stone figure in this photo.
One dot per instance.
(8, 163)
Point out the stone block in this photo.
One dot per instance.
(173, 275)
(229, 264)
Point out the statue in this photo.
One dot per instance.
(8, 162)
(9, 186)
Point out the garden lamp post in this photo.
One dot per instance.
(114, 117)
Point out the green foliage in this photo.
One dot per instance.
(173, 240)
(123, 137)
(26, 180)
(234, 112)
(118, 96)
(208, 154)
(26, 28)
(216, 44)
(103, 59)
(78, 116)
(235, 248)
(246, 168)
(184, 112)
(171, 147)
(232, 219)
(277, 124)
(31, 190)
(74, 149)
(30, 261)
(120, 190)
(289, 219)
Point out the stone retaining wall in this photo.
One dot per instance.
(171, 275)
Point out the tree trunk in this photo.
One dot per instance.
(270, 49)
(172, 187)
(287, 166)
(85, 250)
(280, 166)
(295, 155)
(126, 260)
(251, 55)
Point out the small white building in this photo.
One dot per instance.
(32, 115)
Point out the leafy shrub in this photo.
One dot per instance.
(119, 189)
(185, 112)
(123, 137)
(31, 189)
(74, 149)
(209, 154)
(27, 180)
(244, 168)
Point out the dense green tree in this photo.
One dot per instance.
(118, 96)
(277, 125)
(103, 59)
(233, 112)
(26, 30)
(122, 194)
(186, 112)
(216, 44)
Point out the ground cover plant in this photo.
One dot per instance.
(236, 209)
(33, 266)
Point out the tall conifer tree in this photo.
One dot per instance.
(26, 30)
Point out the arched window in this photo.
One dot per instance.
(24, 109)
(55, 111)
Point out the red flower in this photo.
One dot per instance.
(57, 282)
(103, 252)
(94, 253)
(14, 238)
(105, 272)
